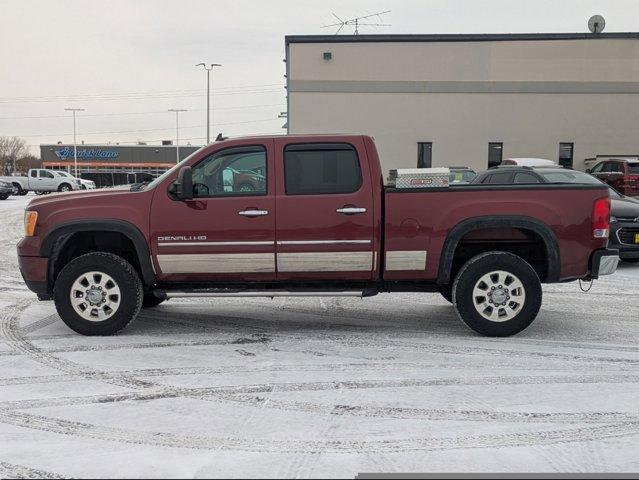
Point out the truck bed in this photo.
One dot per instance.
(420, 220)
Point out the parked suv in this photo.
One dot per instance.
(624, 211)
(621, 174)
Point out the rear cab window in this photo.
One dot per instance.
(316, 169)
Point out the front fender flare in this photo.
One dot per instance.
(58, 236)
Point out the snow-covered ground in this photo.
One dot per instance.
(320, 387)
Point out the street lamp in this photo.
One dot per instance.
(208, 98)
(177, 131)
(75, 143)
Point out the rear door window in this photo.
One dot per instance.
(633, 168)
(525, 178)
(315, 169)
(500, 178)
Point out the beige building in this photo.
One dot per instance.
(443, 100)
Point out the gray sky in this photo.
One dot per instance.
(128, 61)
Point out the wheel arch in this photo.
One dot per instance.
(55, 241)
(464, 227)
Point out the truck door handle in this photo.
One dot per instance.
(351, 210)
(253, 212)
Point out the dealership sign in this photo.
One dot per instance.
(86, 153)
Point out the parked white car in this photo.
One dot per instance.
(529, 162)
(41, 180)
(84, 184)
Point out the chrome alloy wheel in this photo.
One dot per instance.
(499, 296)
(95, 296)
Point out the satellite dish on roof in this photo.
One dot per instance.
(596, 24)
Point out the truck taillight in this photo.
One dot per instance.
(601, 218)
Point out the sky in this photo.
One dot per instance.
(126, 62)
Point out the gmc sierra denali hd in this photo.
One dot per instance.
(320, 223)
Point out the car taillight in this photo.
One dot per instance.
(601, 218)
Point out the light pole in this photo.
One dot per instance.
(208, 97)
(75, 143)
(177, 131)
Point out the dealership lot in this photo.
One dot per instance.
(315, 387)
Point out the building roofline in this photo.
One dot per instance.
(455, 37)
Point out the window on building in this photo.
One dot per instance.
(495, 151)
(321, 168)
(424, 154)
(233, 171)
(565, 154)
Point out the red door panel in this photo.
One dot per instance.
(323, 236)
(229, 232)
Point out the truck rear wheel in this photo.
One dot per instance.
(98, 294)
(497, 294)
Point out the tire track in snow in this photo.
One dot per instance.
(430, 414)
(10, 470)
(13, 336)
(224, 392)
(163, 439)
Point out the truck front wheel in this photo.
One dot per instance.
(98, 294)
(497, 294)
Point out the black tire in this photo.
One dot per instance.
(17, 189)
(4, 196)
(446, 291)
(65, 187)
(630, 260)
(150, 300)
(523, 313)
(22, 193)
(125, 278)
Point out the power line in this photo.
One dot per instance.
(116, 114)
(148, 92)
(139, 131)
(138, 96)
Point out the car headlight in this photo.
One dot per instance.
(30, 219)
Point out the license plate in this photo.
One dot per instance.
(637, 238)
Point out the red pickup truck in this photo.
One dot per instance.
(321, 224)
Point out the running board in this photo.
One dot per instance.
(261, 293)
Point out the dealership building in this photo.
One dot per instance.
(444, 100)
(114, 164)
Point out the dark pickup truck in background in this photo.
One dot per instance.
(322, 223)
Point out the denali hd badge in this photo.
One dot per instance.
(183, 238)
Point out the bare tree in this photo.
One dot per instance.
(27, 162)
(12, 149)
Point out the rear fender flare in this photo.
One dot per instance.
(506, 221)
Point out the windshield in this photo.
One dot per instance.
(64, 174)
(568, 176)
(169, 172)
(633, 168)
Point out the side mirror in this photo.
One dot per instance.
(182, 188)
